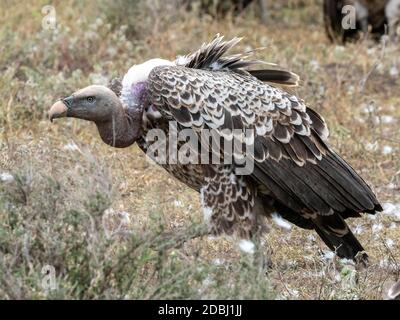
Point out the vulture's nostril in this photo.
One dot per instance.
(68, 101)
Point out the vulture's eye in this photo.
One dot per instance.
(90, 99)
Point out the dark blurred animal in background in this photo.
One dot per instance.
(374, 16)
(392, 12)
(221, 8)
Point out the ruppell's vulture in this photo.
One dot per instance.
(295, 173)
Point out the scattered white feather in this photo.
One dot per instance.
(286, 237)
(6, 177)
(384, 263)
(122, 215)
(207, 282)
(181, 60)
(328, 255)
(125, 217)
(207, 213)
(368, 108)
(216, 65)
(377, 227)
(292, 263)
(391, 186)
(111, 51)
(388, 208)
(387, 119)
(246, 246)
(321, 90)
(277, 219)
(359, 230)
(311, 238)
(390, 243)
(346, 262)
(350, 90)
(387, 150)
(371, 146)
(178, 203)
(314, 65)
(394, 72)
(339, 49)
(218, 262)
(391, 209)
(371, 217)
(294, 293)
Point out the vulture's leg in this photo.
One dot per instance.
(230, 206)
(262, 255)
(228, 202)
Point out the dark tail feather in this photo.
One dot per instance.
(346, 246)
(276, 76)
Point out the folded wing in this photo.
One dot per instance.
(291, 156)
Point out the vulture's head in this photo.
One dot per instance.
(94, 103)
(117, 126)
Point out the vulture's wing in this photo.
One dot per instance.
(291, 157)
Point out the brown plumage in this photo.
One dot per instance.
(296, 173)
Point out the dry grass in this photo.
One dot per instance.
(64, 178)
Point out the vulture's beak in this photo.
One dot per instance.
(60, 108)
